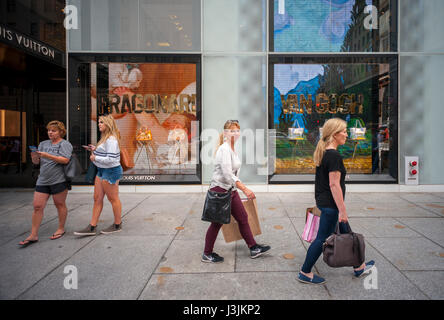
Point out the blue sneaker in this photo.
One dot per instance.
(368, 266)
(316, 279)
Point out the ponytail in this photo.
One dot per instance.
(319, 152)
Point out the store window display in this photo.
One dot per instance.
(309, 91)
(155, 109)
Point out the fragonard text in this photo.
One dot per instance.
(147, 103)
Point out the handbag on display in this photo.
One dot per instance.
(217, 207)
(296, 133)
(125, 160)
(231, 231)
(358, 133)
(344, 249)
(311, 225)
(91, 173)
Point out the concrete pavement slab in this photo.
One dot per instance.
(431, 228)
(410, 253)
(269, 206)
(430, 282)
(382, 228)
(195, 229)
(108, 268)
(378, 197)
(184, 256)
(231, 286)
(154, 217)
(435, 207)
(10, 200)
(417, 197)
(385, 210)
(294, 198)
(286, 254)
(21, 268)
(387, 283)
(18, 222)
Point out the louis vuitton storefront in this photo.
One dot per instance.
(32, 83)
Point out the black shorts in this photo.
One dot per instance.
(54, 189)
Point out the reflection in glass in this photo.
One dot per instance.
(362, 92)
(334, 26)
(144, 25)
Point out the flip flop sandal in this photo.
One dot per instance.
(57, 236)
(27, 243)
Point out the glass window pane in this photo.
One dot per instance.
(144, 25)
(234, 25)
(172, 25)
(422, 25)
(155, 106)
(333, 26)
(309, 91)
(234, 89)
(422, 114)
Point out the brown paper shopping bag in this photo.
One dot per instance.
(231, 231)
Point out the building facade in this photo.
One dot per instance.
(172, 72)
(32, 82)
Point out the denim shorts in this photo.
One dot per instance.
(112, 175)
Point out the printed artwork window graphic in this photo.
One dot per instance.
(154, 105)
(307, 94)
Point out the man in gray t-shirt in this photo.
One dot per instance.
(52, 172)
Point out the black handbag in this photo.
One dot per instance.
(217, 207)
(73, 168)
(91, 173)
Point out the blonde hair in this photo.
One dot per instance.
(227, 125)
(330, 128)
(111, 129)
(59, 125)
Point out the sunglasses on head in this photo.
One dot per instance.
(233, 121)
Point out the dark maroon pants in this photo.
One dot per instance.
(241, 216)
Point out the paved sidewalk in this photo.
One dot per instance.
(157, 255)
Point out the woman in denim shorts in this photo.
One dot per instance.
(106, 157)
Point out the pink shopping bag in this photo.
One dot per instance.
(311, 227)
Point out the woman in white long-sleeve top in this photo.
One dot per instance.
(225, 177)
(106, 156)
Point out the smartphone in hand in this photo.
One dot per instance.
(87, 148)
(33, 148)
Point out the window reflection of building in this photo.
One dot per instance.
(43, 20)
(384, 26)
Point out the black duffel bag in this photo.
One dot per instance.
(217, 207)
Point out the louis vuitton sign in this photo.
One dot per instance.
(30, 45)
